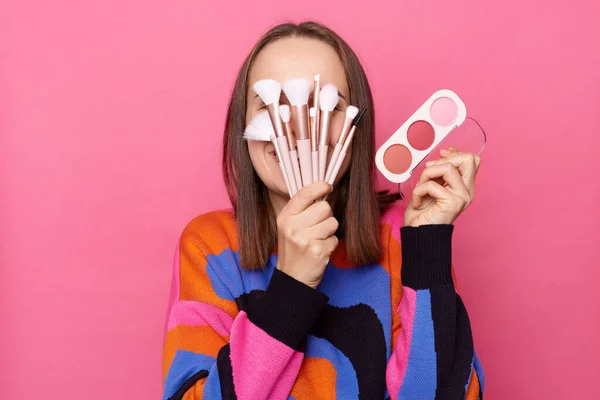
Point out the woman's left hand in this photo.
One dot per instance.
(446, 188)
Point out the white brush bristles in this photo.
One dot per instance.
(268, 90)
(297, 91)
(351, 112)
(328, 97)
(312, 112)
(284, 111)
(260, 128)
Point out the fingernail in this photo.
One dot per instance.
(444, 152)
(429, 163)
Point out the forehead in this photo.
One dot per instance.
(299, 58)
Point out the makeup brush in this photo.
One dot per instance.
(351, 112)
(314, 126)
(284, 111)
(260, 128)
(342, 155)
(269, 91)
(285, 177)
(346, 145)
(314, 144)
(316, 90)
(297, 91)
(328, 97)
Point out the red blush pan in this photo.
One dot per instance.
(421, 135)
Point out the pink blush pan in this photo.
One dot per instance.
(444, 111)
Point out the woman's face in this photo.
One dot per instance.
(286, 59)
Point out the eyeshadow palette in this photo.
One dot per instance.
(398, 157)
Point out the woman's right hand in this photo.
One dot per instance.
(305, 229)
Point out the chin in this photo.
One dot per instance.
(283, 191)
(279, 189)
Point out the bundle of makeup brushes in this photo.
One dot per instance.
(302, 148)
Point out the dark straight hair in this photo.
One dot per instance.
(355, 203)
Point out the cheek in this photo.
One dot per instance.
(256, 151)
(250, 113)
(266, 167)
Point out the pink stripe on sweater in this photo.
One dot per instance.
(394, 217)
(174, 294)
(196, 313)
(263, 367)
(396, 368)
(175, 278)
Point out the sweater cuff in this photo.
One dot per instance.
(426, 256)
(288, 310)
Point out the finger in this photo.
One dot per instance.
(323, 229)
(467, 164)
(306, 196)
(455, 156)
(477, 161)
(317, 212)
(432, 189)
(449, 173)
(449, 151)
(330, 244)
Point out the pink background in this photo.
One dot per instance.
(111, 116)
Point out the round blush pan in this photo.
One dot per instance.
(421, 135)
(444, 111)
(397, 159)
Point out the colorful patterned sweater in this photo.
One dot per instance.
(394, 329)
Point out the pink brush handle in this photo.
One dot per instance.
(315, 166)
(322, 161)
(284, 150)
(336, 167)
(305, 161)
(335, 170)
(296, 168)
(285, 178)
(334, 156)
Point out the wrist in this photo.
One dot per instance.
(300, 275)
(418, 221)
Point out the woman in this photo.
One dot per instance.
(266, 303)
